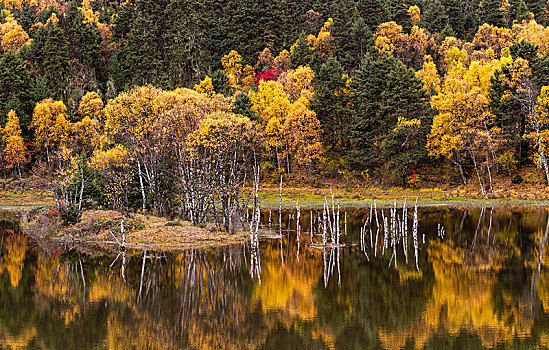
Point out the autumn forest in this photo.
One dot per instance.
(174, 106)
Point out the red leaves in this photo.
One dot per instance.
(269, 74)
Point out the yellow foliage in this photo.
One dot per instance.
(205, 87)
(53, 20)
(91, 105)
(15, 152)
(404, 123)
(88, 134)
(232, 67)
(118, 156)
(132, 115)
(297, 83)
(384, 46)
(51, 124)
(270, 100)
(14, 258)
(302, 131)
(454, 55)
(248, 78)
(12, 35)
(221, 131)
(415, 14)
(90, 17)
(282, 62)
(429, 75)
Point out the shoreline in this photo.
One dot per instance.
(160, 234)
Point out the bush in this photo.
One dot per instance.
(70, 215)
(517, 179)
(173, 223)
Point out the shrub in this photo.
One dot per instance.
(70, 215)
(517, 179)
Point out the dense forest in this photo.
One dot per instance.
(175, 105)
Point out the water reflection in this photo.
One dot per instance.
(481, 280)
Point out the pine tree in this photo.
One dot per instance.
(182, 60)
(243, 106)
(16, 87)
(434, 16)
(521, 11)
(491, 13)
(330, 104)
(384, 91)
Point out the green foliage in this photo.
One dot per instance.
(384, 91)
(16, 89)
(242, 105)
(517, 179)
(492, 13)
(173, 223)
(70, 214)
(220, 82)
(330, 104)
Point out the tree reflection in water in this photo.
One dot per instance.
(481, 281)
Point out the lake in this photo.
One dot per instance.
(475, 281)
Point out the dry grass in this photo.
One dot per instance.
(148, 232)
(25, 198)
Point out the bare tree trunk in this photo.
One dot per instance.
(489, 172)
(141, 185)
(477, 171)
(82, 184)
(540, 146)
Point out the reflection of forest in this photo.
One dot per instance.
(474, 290)
(472, 293)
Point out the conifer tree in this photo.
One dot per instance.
(16, 88)
(491, 13)
(384, 91)
(330, 104)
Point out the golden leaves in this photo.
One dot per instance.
(205, 87)
(12, 36)
(50, 121)
(91, 105)
(15, 152)
(415, 14)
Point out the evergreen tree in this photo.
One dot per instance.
(16, 87)
(56, 61)
(183, 55)
(521, 11)
(243, 106)
(491, 13)
(330, 104)
(27, 18)
(456, 16)
(384, 91)
(372, 12)
(434, 18)
(220, 82)
(85, 46)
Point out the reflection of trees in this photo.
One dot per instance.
(15, 249)
(371, 297)
(474, 291)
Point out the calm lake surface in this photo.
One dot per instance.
(478, 283)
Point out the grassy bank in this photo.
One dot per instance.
(145, 232)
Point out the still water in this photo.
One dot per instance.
(478, 283)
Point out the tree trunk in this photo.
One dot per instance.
(489, 172)
(477, 171)
(141, 185)
(540, 145)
